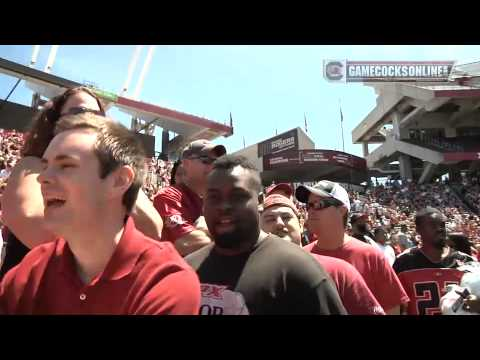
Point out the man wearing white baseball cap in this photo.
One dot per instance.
(328, 206)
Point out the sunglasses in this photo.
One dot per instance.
(323, 204)
(204, 159)
(82, 110)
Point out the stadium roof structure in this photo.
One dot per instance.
(413, 101)
(429, 128)
(190, 127)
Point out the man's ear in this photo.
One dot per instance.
(343, 210)
(186, 164)
(121, 180)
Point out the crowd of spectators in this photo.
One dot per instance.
(391, 206)
(11, 143)
(469, 188)
(394, 207)
(158, 176)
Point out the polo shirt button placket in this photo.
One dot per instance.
(83, 297)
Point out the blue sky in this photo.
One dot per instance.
(266, 88)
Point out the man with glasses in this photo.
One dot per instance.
(280, 217)
(77, 110)
(180, 205)
(328, 206)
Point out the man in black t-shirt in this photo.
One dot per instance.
(245, 271)
(426, 271)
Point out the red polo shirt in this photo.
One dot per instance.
(179, 208)
(142, 277)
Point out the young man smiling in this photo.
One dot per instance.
(100, 264)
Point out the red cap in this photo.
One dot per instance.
(279, 200)
(282, 186)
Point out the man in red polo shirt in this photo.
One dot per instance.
(180, 206)
(100, 263)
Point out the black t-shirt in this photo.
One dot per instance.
(15, 251)
(425, 281)
(415, 259)
(275, 277)
(362, 237)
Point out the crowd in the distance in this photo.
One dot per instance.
(394, 206)
(158, 176)
(11, 142)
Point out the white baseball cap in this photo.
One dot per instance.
(324, 188)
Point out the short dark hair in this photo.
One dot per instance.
(356, 216)
(229, 162)
(175, 167)
(115, 146)
(424, 213)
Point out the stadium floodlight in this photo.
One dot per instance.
(51, 58)
(33, 60)
(131, 68)
(143, 73)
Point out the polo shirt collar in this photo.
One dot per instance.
(184, 188)
(123, 260)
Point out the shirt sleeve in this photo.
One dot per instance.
(8, 294)
(388, 288)
(175, 224)
(315, 291)
(326, 300)
(399, 264)
(307, 287)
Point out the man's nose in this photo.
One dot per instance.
(279, 222)
(45, 176)
(226, 205)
